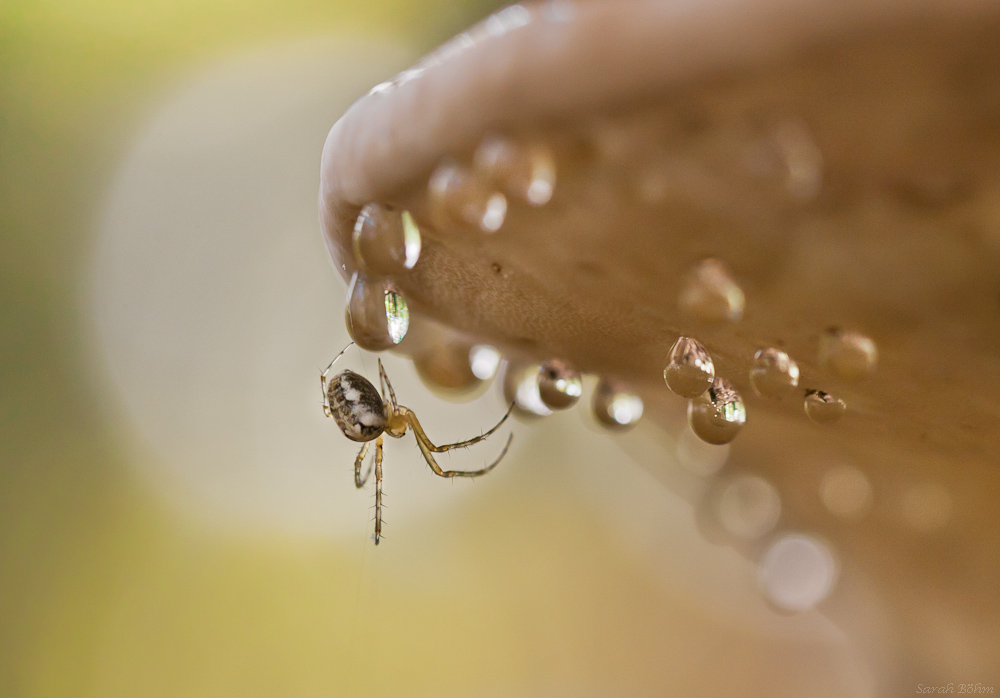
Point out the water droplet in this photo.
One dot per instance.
(749, 507)
(773, 373)
(484, 361)
(802, 158)
(446, 367)
(559, 384)
(521, 170)
(851, 356)
(386, 242)
(614, 406)
(824, 408)
(711, 295)
(376, 314)
(520, 386)
(797, 572)
(717, 416)
(459, 195)
(846, 492)
(690, 370)
(559, 11)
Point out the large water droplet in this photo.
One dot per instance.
(376, 314)
(559, 384)
(614, 406)
(749, 506)
(386, 242)
(459, 195)
(851, 356)
(525, 171)
(773, 373)
(710, 294)
(690, 370)
(797, 572)
(824, 408)
(717, 415)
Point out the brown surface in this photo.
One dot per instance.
(667, 122)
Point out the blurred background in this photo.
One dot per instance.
(177, 518)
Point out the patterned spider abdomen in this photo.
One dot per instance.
(356, 406)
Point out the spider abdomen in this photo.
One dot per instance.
(356, 406)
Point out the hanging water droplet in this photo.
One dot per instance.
(484, 361)
(710, 294)
(614, 406)
(376, 314)
(824, 408)
(690, 370)
(559, 384)
(773, 373)
(717, 416)
(525, 171)
(520, 386)
(386, 242)
(446, 367)
(459, 195)
(851, 356)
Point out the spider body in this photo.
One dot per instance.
(364, 415)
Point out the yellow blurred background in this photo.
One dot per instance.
(176, 516)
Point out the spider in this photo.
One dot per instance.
(364, 415)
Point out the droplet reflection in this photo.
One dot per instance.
(459, 195)
(524, 171)
(520, 386)
(484, 361)
(846, 492)
(749, 507)
(797, 572)
(386, 242)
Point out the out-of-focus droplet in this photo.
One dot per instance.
(802, 158)
(614, 406)
(525, 171)
(690, 370)
(559, 384)
(484, 361)
(846, 492)
(851, 356)
(717, 416)
(797, 572)
(749, 506)
(698, 457)
(926, 507)
(824, 408)
(386, 242)
(710, 294)
(559, 11)
(459, 195)
(773, 373)
(376, 314)
(447, 367)
(520, 386)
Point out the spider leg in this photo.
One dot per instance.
(378, 489)
(384, 378)
(322, 380)
(422, 435)
(359, 481)
(425, 449)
